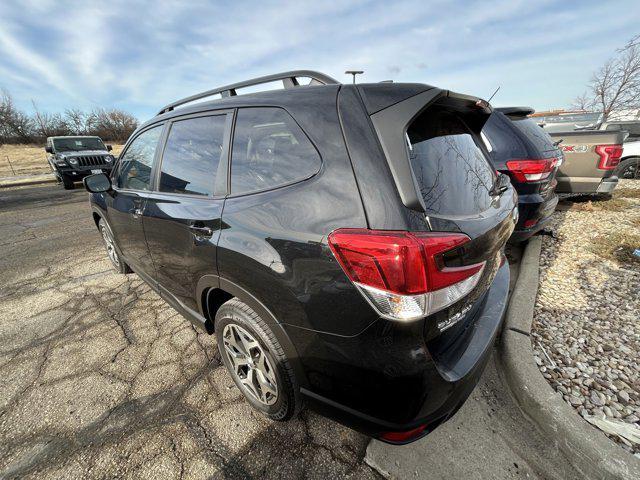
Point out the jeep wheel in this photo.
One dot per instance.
(112, 249)
(67, 183)
(255, 360)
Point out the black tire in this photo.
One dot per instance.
(628, 168)
(67, 183)
(288, 402)
(115, 257)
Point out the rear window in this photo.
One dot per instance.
(534, 133)
(453, 174)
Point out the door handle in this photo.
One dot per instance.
(136, 212)
(201, 231)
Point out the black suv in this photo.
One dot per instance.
(73, 158)
(344, 243)
(519, 148)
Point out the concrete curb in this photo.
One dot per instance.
(27, 180)
(587, 449)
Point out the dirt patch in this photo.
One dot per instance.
(626, 193)
(618, 246)
(591, 204)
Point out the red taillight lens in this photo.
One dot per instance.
(609, 156)
(402, 437)
(531, 170)
(384, 260)
(402, 273)
(530, 223)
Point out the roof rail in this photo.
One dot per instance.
(289, 80)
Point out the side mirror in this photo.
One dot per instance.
(109, 148)
(48, 149)
(97, 183)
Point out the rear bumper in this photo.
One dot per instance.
(586, 184)
(607, 185)
(540, 211)
(405, 384)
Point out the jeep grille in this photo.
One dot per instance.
(91, 160)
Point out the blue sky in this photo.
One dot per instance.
(140, 55)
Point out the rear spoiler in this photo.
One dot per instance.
(392, 122)
(517, 112)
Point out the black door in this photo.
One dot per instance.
(126, 204)
(182, 218)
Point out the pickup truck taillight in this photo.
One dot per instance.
(531, 170)
(609, 156)
(403, 274)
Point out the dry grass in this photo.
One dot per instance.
(611, 205)
(618, 246)
(626, 193)
(28, 159)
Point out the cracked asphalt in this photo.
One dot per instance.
(100, 378)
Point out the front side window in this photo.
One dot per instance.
(137, 161)
(269, 150)
(192, 155)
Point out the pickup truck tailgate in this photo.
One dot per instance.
(583, 170)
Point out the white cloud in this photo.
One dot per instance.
(140, 55)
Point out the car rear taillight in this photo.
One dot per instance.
(531, 170)
(404, 437)
(609, 156)
(403, 274)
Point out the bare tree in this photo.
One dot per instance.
(15, 126)
(18, 127)
(111, 124)
(48, 125)
(583, 102)
(616, 86)
(76, 121)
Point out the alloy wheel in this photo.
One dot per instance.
(250, 364)
(111, 247)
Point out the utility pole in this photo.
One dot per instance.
(354, 73)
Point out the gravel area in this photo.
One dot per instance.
(586, 332)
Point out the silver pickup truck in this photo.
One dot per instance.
(590, 159)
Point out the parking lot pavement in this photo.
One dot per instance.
(100, 378)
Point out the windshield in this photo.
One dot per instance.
(77, 144)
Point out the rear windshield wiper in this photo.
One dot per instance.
(499, 186)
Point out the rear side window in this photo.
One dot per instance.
(453, 174)
(534, 133)
(136, 163)
(192, 155)
(269, 150)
